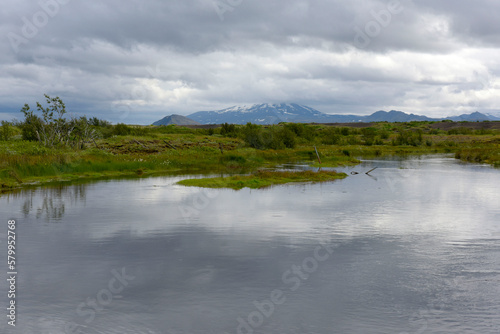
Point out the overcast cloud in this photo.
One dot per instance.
(136, 61)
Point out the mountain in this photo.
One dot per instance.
(259, 114)
(176, 119)
(393, 116)
(474, 117)
(494, 117)
(292, 112)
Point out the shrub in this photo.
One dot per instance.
(31, 126)
(274, 137)
(252, 135)
(233, 158)
(271, 139)
(6, 131)
(301, 130)
(288, 137)
(121, 129)
(345, 131)
(369, 132)
(460, 131)
(331, 136)
(408, 137)
(384, 134)
(228, 130)
(82, 132)
(52, 128)
(94, 121)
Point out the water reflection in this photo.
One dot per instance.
(415, 249)
(48, 203)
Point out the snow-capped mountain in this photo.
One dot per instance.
(292, 112)
(260, 114)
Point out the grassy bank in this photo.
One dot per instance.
(138, 150)
(263, 179)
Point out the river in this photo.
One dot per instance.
(414, 247)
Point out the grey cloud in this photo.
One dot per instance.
(475, 22)
(144, 59)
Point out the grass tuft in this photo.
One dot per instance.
(263, 179)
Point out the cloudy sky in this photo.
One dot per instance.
(135, 61)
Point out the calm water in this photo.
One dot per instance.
(415, 248)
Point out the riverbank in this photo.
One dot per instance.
(153, 150)
(26, 164)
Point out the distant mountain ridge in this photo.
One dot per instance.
(474, 117)
(176, 119)
(291, 112)
(494, 117)
(259, 114)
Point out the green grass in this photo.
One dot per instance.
(263, 179)
(479, 155)
(153, 150)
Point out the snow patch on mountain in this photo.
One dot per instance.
(266, 113)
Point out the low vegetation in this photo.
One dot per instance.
(46, 146)
(263, 179)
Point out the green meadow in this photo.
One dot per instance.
(263, 179)
(121, 150)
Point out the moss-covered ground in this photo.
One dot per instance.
(263, 179)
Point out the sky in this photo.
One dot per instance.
(136, 61)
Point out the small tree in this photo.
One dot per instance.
(31, 126)
(54, 129)
(83, 132)
(50, 130)
(99, 122)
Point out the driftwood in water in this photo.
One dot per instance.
(371, 170)
(317, 154)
